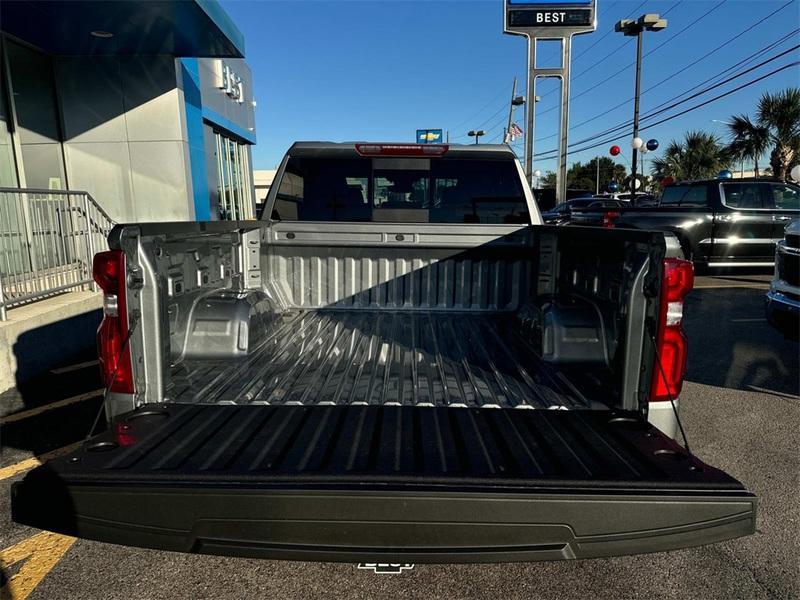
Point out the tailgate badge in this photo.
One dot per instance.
(386, 568)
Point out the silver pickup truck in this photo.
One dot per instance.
(398, 362)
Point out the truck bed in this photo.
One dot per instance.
(354, 357)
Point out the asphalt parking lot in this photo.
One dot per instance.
(740, 407)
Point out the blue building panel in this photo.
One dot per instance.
(194, 131)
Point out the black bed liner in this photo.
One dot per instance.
(410, 358)
(401, 483)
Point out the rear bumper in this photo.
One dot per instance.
(418, 527)
(783, 313)
(662, 415)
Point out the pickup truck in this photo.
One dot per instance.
(398, 362)
(721, 222)
(783, 297)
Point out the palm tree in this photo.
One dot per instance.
(749, 141)
(699, 155)
(780, 113)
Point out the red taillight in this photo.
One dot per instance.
(113, 353)
(609, 217)
(677, 282)
(401, 149)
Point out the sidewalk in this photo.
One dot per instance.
(40, 335)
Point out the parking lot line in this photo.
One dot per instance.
(41, 552)
(44, 408)
(35, 461)
(76, 367)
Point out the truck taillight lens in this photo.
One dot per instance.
(677, 282)
(113, 353)
(609, 218)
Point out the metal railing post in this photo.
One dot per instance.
(51, 254)
(89, 243)
(3, 315)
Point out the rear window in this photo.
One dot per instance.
(684, 195)
(401, 190)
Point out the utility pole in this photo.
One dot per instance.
(507, 136)
(597, 183)
(648, 22)
(515, 102)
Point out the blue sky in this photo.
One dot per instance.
(378, 70)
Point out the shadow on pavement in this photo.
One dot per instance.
(731, 345)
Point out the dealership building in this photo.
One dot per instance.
(148, 106)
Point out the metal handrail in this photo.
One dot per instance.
(48, 239)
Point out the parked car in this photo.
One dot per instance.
(546, 197)
(722, 223)
(399, 362)
(581, 211)
(783, 298)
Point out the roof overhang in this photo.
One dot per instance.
(182, 28)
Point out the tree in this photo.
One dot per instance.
(699, 155)
(780, 113)
(584, 176)
(749, 141)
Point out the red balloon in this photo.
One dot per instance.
(614, 150)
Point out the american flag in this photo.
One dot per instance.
(515, 131)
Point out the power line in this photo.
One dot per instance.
(609, 32)
(646, 54)
(685, 111)
(691, 64)
(576, 57)
(621, 46)
(487, 105)
(666, 106)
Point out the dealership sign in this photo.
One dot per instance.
(429, 136)
(573, 17)
(230, 82)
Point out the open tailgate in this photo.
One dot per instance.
(402, 484)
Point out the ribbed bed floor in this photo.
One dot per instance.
(383, 358)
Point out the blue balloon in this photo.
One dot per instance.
(652, 145)
(613, 187)
(725, 174)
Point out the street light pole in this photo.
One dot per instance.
(648, 22)
(597, 182)
(476, 133)
(636, 109)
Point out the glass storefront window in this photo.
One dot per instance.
(31, 74)
(234, 187)
(8, 171)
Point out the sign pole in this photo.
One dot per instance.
(530, 111)
(557, 21)
(561, 177)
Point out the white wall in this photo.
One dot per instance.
(125, 135)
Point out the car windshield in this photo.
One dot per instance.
(401, 190)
